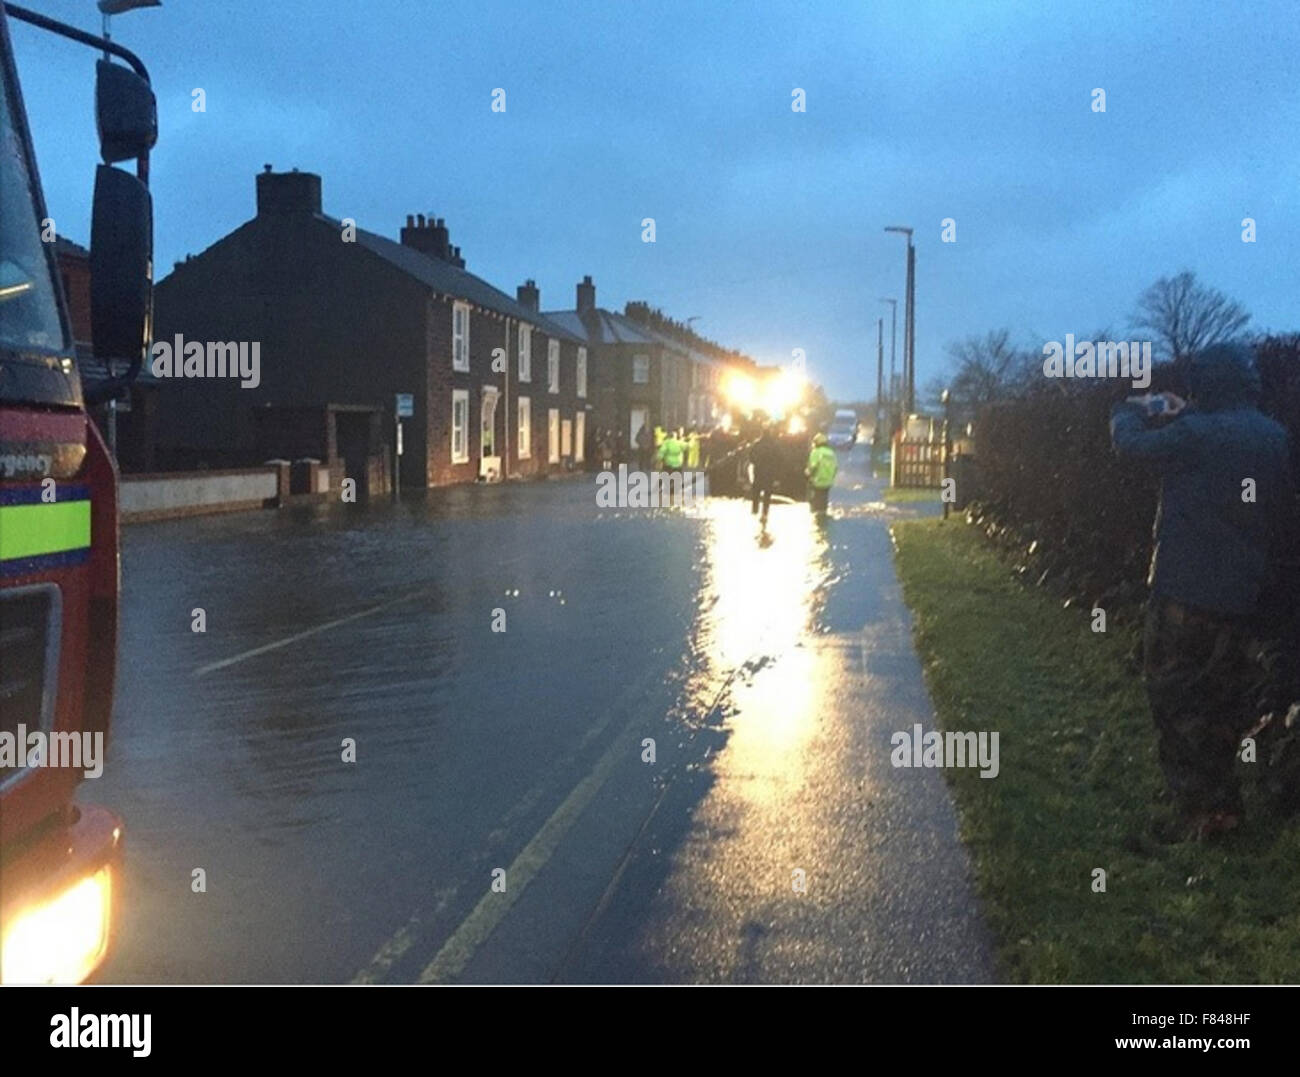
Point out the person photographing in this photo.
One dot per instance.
(1225, 494)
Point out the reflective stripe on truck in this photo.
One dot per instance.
(36, 535)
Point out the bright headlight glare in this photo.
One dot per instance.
(61, 940)
(741, 391)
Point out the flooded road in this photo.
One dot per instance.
(671, 766)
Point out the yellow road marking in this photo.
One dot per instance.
(492, 907)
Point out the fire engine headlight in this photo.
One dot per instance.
(62, 939)
(741, 391)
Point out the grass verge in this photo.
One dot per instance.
(1078, 790)
(904, 494)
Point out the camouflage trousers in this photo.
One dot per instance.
(1198, 668)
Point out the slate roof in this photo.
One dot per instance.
(447, 279)
(603, 327)
(669, 342)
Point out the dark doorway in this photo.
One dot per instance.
(352, 431)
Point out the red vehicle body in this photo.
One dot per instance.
(59, 582)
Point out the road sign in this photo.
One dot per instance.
(405, 405)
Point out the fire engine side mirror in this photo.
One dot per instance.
(121, 267)
(126, 113)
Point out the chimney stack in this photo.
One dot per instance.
(287, 192)
(428, 235)
(586, 296)
(529, 296)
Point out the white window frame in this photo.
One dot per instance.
(641, 363)
(579, 436)
(553, 365)
(582, 373)
(460, 397)
(525, 345)
(460, 340)
(553, 436)
(524, 428)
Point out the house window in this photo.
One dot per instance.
(460, 426)
(582, 373)
(580, 437)
(640, 369)
(525, 353)
(525, 425)
(553, 435)
(553, 365)
(460, 336)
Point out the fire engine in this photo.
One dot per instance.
(60, 860)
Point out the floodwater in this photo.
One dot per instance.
(671, 766)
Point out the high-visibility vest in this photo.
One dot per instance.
(659, 436)
(822, 466)
(671, 452)
(693, 451)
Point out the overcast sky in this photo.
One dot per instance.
(769, 222)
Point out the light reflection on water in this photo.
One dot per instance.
(760, 597)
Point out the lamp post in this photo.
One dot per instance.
(909, 324)
(893, 345)
(946, 399)
(880, 381)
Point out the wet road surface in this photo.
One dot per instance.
(682, 720)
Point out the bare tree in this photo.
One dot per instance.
(987, 368)
(1184, 316)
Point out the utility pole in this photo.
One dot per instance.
(893, 345)
(909, 324)
(880, 377)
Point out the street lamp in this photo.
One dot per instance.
(909, 323)
(945, 399)
(893, 344)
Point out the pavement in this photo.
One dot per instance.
(671, 767)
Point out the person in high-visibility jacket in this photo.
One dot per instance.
(660, 434)
(672, 452)
(821, 469)
(693, 450)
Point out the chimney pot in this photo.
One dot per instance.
(428, 235)
(410, 221)
(586, 296)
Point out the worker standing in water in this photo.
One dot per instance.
(765, 458)
(821, 470)
(672, 454)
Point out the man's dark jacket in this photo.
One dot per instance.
(765, 455)
(1213, 548)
